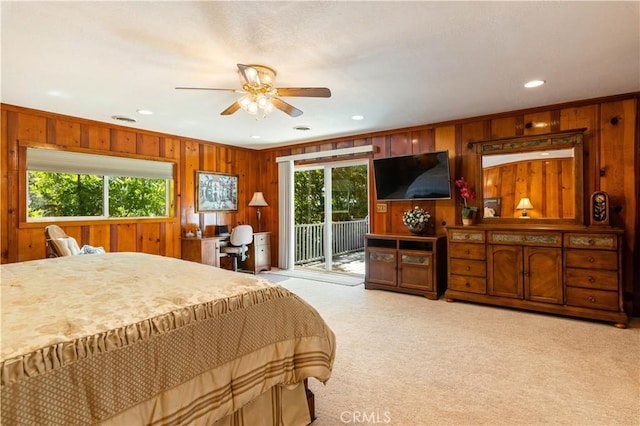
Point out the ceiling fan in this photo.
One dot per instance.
(260, 95)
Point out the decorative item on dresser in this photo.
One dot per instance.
(406, 264)
(568, 270)
(416, 220)
(600, 208)
(466, 194)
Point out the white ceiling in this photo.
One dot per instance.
(399, 64)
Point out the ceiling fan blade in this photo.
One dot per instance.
(231, 109)
(249, 74)
(283, 106)
(312, 92)
(209, 88)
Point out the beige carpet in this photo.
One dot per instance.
(406, 360)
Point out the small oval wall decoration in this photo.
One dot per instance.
(599, 208)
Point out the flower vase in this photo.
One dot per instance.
(419, 229)
(467, 220)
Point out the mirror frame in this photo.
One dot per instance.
(541, 142)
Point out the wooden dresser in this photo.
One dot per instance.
(406, 264)
(571, 270)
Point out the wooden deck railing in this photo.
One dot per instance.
(347, 237)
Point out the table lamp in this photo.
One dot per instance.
(523, 205)
(258, 201)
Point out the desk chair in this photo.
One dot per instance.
(241, 236)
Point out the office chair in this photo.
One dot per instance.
(241, 236)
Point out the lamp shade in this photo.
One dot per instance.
(258, 200)
(524, 203)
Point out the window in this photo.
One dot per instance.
(64, 184)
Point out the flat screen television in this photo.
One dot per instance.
(422, 176)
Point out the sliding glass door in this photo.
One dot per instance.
(331, 216)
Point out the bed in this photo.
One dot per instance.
(133, 338)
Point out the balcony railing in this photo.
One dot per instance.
(347, 237)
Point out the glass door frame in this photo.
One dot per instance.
(328, 207)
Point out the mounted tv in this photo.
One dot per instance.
(413, 177)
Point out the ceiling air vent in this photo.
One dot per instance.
(302, 128)
(123, 118)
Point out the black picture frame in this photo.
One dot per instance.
(216, 192)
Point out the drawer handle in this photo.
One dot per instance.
(591, 299)
(591, 279)
(468, 268)
(467, 252)
(591, 259)
(590, 242)
(466, 237)
(467, 284)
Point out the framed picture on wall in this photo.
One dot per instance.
(216, 192)
(492, 207)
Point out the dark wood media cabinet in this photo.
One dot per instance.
(406, 264)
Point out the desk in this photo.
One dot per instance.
(259, 252)
(203, 250)
(207, 250)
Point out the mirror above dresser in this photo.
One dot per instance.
(534, 178)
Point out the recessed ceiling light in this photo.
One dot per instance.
(123, 118)
(144, 111)
(357, 117)
(255, 136)
(302, 128)
(534, 83)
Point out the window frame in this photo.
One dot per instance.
(26, 222)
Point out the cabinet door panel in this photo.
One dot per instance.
(382, 266)
(543, 274)
(505, 271)
(416, 271)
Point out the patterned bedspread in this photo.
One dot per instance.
(132, 338)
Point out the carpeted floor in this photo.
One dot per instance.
(406, 360)
(318, 276)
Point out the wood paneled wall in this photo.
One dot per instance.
(21, 240)
(549, 184)
(611, 164)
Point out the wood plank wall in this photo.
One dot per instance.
(22, 241)
(549, 184)
(611, 164)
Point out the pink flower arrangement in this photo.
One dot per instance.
(467, 194)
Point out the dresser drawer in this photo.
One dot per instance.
(468, 284)
(551, 239)
(590, 298)
(592, 278)
(591, 259)
(467, 251)
(597, 241)
(470, 236)
(260, 239)
(475, 268)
